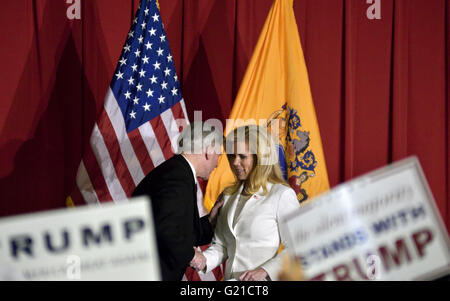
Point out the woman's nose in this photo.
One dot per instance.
(236, 161)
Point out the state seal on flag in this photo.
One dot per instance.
(301, 161)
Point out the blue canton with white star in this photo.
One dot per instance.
(145, 83)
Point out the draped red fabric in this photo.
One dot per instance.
(380, 86)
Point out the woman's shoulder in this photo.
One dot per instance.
(281, 189)
(282, 198)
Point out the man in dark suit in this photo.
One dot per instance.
(172, 188)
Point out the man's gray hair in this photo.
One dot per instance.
(198, 136)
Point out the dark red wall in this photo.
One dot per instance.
(380, 87)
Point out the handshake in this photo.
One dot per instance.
(199, 261)
(199, 264)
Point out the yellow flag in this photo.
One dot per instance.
(69, 202)
(275, 93)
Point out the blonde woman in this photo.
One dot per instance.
(248, 233)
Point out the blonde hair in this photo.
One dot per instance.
(266, 167)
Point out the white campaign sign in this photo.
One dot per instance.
(105, 242)
(382, 226)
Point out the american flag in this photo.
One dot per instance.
(142, 116)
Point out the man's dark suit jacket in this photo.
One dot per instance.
(173, 193)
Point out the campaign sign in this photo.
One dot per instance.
(382, 226)
(104, 242)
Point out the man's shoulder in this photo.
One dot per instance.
(174, 164)
(172, 169)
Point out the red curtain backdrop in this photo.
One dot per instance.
(380, 87)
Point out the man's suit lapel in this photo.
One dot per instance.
(197, 226)
(196, 221)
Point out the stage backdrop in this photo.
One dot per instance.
(380, 86)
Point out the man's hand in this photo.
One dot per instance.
(199, 260)
(255, 275)
(215, 210)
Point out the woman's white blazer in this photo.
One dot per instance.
(255, 239)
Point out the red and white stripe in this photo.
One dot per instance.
(116, 161)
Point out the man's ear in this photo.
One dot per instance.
(209, 151)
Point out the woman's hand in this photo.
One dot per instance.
(215, 210)
(255, 275)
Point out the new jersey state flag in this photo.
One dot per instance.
(275, 93)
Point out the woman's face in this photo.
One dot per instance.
(241, 161)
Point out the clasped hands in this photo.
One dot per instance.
(199, 260)
(199, 264)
